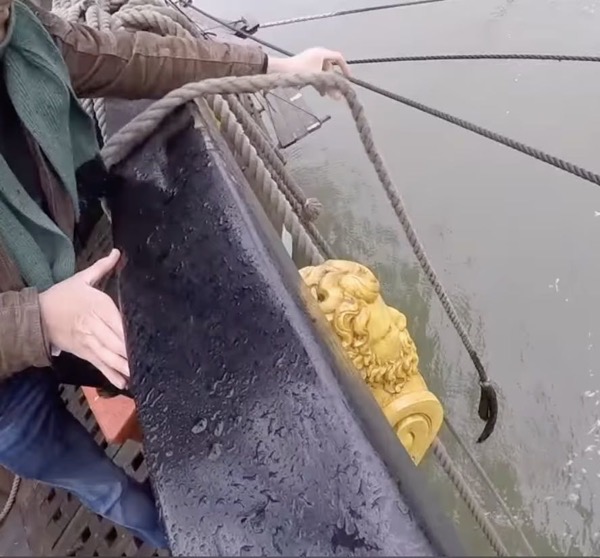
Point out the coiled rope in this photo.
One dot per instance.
(502, 56)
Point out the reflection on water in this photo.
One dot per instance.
(512, 240)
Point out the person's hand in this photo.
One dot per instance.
(80, 319)
(310, 61)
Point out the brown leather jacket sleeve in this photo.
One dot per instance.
(140, 65)
(22, 341)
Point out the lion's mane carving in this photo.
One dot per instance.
(374, 335)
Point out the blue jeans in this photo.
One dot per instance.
(41, 440)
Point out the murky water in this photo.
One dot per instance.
(512, 239)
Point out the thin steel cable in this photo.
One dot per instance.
(501, 56)
(327, 15)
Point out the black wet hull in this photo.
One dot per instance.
(260, 439)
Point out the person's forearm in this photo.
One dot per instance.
(22, 341)
(143, 65)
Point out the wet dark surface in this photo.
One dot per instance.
(259, 439)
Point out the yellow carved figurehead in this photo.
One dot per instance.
(373, 334)
(376, 338)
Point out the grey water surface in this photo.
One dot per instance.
(513, 240)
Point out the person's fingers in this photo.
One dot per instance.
(101, 268)
(112, 340)
(111, 361)
(331, 93)
(107, 311)
(110, 374)
(338, 59)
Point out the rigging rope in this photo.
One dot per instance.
(339, 13)
(538, 154)
(508, 56)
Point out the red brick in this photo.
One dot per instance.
(116, 416)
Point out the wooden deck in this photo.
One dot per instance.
(13, 540)
(48, 522)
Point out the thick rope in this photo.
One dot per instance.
(307, 208)
(97, 16)
(149, 20)
(339, 13)
(428, 58)
(257, 174)
(138, 129)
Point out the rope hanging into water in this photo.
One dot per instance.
(507, 56)
(538, 154)
(339, 13)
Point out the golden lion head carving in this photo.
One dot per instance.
(373, 334)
